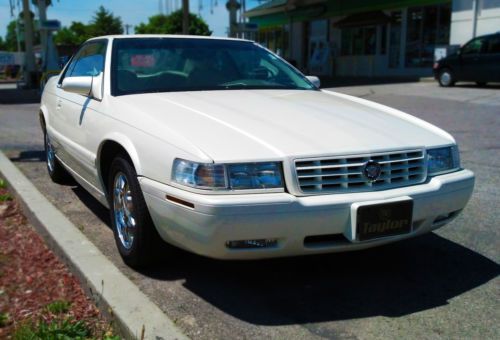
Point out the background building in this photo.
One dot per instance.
(370, 38)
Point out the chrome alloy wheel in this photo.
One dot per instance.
(123, 210)
(50, 155)
(445, 78)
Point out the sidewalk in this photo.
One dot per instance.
(113, 293)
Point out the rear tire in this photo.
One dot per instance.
(446, 78)
(56, 170)
(135, 234)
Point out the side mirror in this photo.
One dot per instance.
(78, 85)
(314, 80)
(96, 91)
(87, 86)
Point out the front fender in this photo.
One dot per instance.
(43, 116)
(126, 144)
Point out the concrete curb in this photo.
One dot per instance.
(112, 291)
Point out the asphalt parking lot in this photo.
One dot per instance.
(442, 285)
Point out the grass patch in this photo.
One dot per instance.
(66, 329)
(57, 329)
(4, 319)
(6, 197)
(3, 183)
(58, 307)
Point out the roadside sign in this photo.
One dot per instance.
(50, 25)
(6, 58)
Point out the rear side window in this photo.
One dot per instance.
(493, 45)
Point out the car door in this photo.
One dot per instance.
(491, 59)
(76, 114)
(470, 61)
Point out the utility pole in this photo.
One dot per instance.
(233, 6)
(18, 34)
(185, 17)
(29, 57)
(475, 13)
(127, 26)
(42, 16)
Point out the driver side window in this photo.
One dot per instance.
(473, 47)
(89, 61)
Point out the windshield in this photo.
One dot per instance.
(141, 65)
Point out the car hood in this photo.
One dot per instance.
(243, 125)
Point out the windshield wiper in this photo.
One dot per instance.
(236, 86)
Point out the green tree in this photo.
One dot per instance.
(104, 23)
(11, 37)
(172, 24)
(74, 35)
(3, 46)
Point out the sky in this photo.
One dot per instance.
(131, 12)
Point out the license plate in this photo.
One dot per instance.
(384, 219)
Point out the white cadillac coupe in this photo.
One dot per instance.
(220, 147)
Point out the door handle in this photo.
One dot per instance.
(58, 104)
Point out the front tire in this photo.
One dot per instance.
(446, 78)
(135, 234)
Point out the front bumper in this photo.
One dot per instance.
(302, 225)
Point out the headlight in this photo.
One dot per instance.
(198, 175)
(254, 176)
(441, 160)
(243, 176)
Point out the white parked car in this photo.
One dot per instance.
(220, 147)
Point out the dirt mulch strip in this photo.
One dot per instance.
(32, 277)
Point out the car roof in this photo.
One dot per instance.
(176, 36)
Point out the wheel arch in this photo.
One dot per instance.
(43, 117)
(111, 146)
(446, 67)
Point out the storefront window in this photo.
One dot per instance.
(489, 4)
(271, 41)
(427, 27)
(346, 42)
(279, 42)
(394, 39)
(383, 39)
(370, 40)
(261, 38)
(286, 41)
(276, 39)
(359, 41)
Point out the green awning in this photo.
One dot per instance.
(331, 8)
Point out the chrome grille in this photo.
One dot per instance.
(345, 173)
